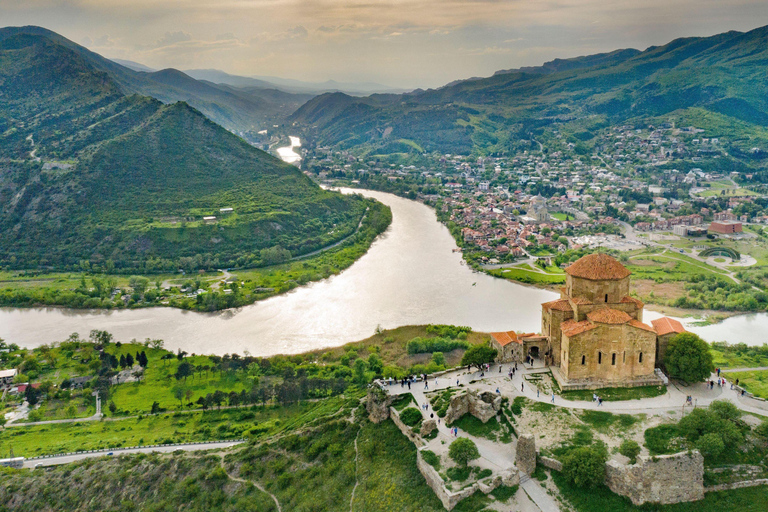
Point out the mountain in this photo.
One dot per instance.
(89, 173)
(136, 66)
(711, 81)
(293, 86)
(232, 109)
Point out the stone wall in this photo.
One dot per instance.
(450, 499)
(737, 485)
(405, 429)
(662, 479)
(550, 463)
(623, 340)
(595, 291)
(377, 404)
(525, 456)
(483, 406)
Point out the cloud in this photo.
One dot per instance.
(171, 38)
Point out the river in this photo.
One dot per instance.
(409, 276)
(287, 154)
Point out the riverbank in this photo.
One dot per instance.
(203, 291)
(657, 281)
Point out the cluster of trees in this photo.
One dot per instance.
(710, 292)
(430, 345)
(688, 358)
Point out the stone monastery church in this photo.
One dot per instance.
(593, 336)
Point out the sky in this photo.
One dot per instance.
(399, 43)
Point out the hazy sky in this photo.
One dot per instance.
(408, 43)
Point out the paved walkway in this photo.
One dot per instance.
(538, 495)
(675, 396)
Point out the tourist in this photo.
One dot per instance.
(499, 368)
(718, 371)
(594, 397)
(537, 392)
(457, 382)
(599, 401)
(426, 384)
(553, 398)
(742, 392)
(409, 384)
(521, 386)
(737, 382)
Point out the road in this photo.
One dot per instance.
(66, 459)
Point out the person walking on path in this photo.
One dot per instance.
(521, 386)
(553, 398)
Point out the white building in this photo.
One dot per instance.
(7, 376)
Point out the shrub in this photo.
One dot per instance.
(517, 405)
(411, 416)
(463, 450)
(630, 449)
(710, 445)
(431, 458)
(585, 466)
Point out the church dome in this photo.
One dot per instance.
(598, 267)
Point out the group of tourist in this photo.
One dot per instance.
(596, 399)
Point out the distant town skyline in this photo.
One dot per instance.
(399, 43)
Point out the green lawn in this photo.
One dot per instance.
(755, 382)
(529, 276)
(615, 394)
(253, 421)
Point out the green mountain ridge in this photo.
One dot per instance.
(723, 74)
(128, 178)
(234, 109)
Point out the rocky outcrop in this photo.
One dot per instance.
(483, 406)
(662, 479)
(377, 404)
(427, 427)
(525, 458)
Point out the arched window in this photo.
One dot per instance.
(606, 297)
(583, 359)
(599, 358)
(641, 357)
(613, 359)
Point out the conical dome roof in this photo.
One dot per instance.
(597, 267)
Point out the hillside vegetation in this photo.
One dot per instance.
(714, 80)
(93, 178)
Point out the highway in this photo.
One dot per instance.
(66, 459)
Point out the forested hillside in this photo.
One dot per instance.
(119, 181)
(710, 81)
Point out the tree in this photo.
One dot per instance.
(179, 394)
(129, 361)
(478, 355)
(463, 450)
(155, 407)
(688, 358)
(32, 395)
(122, 362)
(585, 466)
(630, 449)
(112, 407)
(183, 371)
(360, 368)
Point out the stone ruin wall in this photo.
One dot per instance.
(662, 479)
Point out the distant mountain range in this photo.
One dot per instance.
(718, 83)
(294, 86)
(92, 171)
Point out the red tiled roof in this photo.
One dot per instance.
(597, 267)
(559, 305)
(505, 338)
(641, 325)
(609, 316)
(571, 328)
(666, 325)
(628, 300)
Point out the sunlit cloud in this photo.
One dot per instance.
(398, 42)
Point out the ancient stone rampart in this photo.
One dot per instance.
(483, 406)
(525, 456)
(377, 404)
(450, 499)
(662, 479)
(405, 429)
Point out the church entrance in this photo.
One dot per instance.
(534, 351)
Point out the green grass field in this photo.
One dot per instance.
(755, 382)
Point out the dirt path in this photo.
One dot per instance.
(357, 480)
(256, 484)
